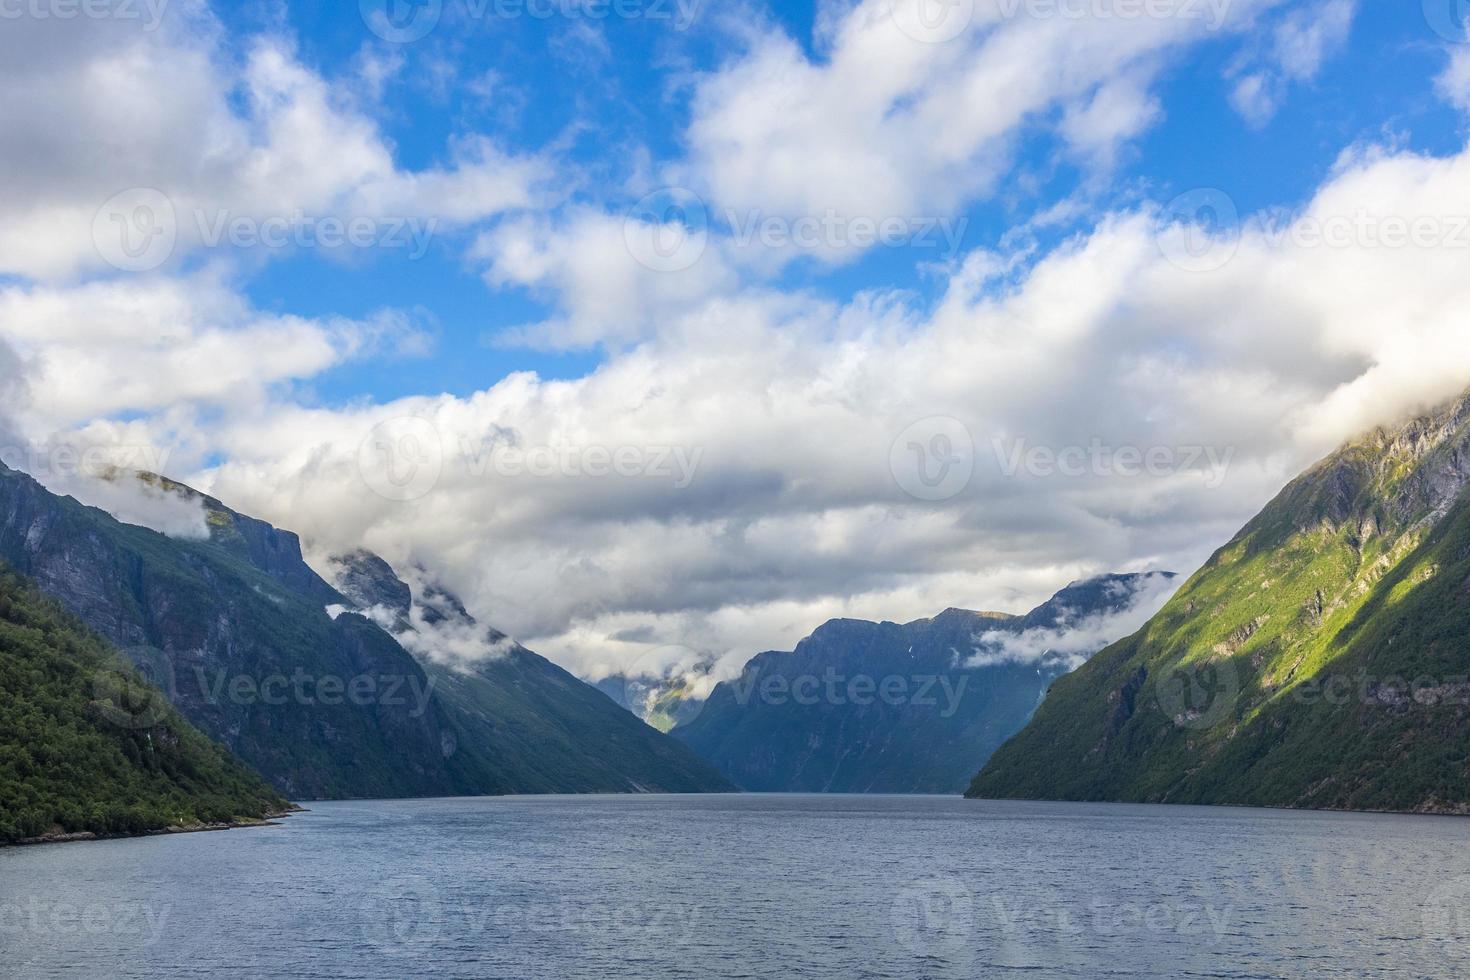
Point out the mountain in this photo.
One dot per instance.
(87, 747)
(861, 707)
(534, 726)
(233, 627)
(261, 653)
(1321, 659)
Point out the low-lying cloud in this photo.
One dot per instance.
(135, 499)
(436, 629)
(1074, 640)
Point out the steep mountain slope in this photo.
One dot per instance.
(531, 725)
(234, 629)
(260, 652)
(1320, 659)
(86, 746)
(864, 707)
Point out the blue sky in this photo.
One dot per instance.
(806, 429)
(556, 93)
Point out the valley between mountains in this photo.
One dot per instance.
(1319, 659)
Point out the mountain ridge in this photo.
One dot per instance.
(1317, 660)
(240, 632)
(514, 706)
(862, 706)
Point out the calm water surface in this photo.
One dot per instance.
(836, 888)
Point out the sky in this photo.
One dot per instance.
(665, 330)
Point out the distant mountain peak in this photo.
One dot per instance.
(955, 612)
(941, 709)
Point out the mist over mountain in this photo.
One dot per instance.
(862, 707)
(234, 629)
(524, 719)
(1319, 659)
(260, 652)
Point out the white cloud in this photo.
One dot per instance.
(457, 643)
(1453, 83)
(1307, 37)
(1303, 40)
(430, 633)
(881, 124)
(1254, 97)
(152, 344)
(793, 405)
(96, 107)
(14, 393)
(135, 500)
(583, 261)
(1078, 636)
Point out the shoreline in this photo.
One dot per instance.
(274, 819)
(1460, 811)
(83, 836)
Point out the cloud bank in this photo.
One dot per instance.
(1077, 636)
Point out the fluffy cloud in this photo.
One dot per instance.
(897, 119)
(161, 344)
(101, 473)
(587, 262)
(1123, 404)
(101, 107)
(13, 394)
(1454, 82)
(143, 502)
(1299, 46)
(1077, 637)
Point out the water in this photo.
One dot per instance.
(836, 888)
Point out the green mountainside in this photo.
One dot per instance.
(1321, 659)
(87, 747)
